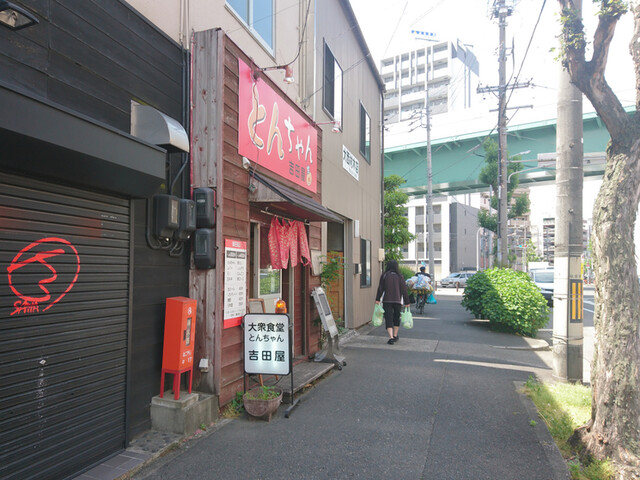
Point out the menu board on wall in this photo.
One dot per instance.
(235, 282)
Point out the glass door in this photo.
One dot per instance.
(270, 287)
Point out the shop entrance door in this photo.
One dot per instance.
(267, 282)
(270, 288)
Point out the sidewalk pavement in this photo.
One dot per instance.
(442, 403)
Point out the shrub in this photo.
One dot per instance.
(477, 286)
(406, 272)
(508, 299)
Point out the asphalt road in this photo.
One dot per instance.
(442, 403)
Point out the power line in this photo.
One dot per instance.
(395, 29)
(535, 27)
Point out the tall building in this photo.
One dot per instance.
(455, 231)
(416, 252)
(548, 239)
(464, 246)
(452, 72)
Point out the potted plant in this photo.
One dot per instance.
(263, 401)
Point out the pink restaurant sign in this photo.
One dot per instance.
(273, 134)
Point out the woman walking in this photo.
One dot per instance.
(394, 294)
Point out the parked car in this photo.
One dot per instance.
(457, 279)
(544, 281)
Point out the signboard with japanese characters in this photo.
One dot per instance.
(273, 134)
(350, 163)
(235, 282)
(267, 347)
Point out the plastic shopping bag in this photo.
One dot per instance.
(406, 319)
(431, 299)
(378, 314)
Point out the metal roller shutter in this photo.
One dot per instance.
(64, 307)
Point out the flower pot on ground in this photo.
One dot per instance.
(262, 402)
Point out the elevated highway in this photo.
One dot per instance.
(457, 160)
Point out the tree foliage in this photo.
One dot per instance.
(532, 254)
(489, 175)
(396, 224)
(614, 428)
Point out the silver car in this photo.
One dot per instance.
(544, 280)
(457, 279)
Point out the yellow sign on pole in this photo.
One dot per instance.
(577, 297)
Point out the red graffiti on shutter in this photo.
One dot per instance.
(39, 254)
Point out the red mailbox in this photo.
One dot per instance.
(179, 334)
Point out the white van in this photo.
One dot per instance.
(543, 278)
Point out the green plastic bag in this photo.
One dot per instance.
(406, 319)
(378, 315)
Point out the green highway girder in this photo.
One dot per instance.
(457, 160)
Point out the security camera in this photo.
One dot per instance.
(246, 163)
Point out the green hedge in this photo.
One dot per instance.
(407, 272)
(508, 299)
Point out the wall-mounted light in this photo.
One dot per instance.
(14, 17)
(288, 72)
(335, 123)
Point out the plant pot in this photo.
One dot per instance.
(261, 408)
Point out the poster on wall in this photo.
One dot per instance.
(235, 282)
(274, 134)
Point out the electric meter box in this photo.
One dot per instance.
(167, 215)
(179, 334)
(187, 219)
(205, 199)
(204, 248)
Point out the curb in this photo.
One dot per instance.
(551, 451)
(172, 446)
(533, 344)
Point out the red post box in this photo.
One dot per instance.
(179, 334)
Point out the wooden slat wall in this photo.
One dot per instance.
(94, 57)
(234, 208)
(235, 220)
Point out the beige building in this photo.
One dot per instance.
(352, 158)
(311, 72)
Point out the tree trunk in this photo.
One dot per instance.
(614, 429)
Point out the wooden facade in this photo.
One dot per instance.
(217, 163)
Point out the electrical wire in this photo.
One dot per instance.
(535, 27)
(395, 30)
(304, 28)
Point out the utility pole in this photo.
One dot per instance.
(502, 11)
(567, 298)
(429, 210)
(430, 251)
(502, 134)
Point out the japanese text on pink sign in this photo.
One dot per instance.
(273, 134)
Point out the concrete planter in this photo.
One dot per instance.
(259, 407)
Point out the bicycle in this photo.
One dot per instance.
(421, 299)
